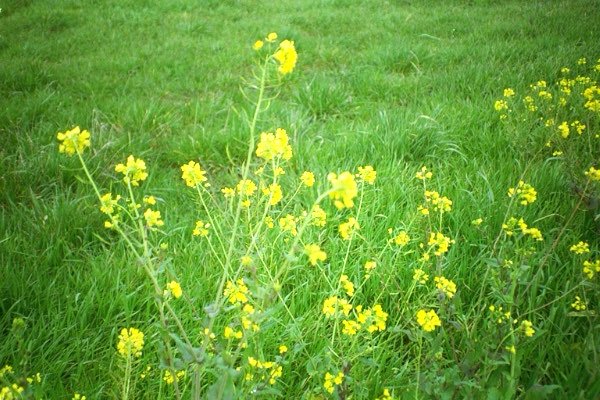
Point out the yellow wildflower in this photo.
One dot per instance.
(440, 242)
(201, 229)
(173, 289)
(134, 170)
(307, 178)
(286, 56)
(131, 342)
(445, 285)
(283, 349)
(580, 248)
(108, 203)
(367, 174)
(525, 193)
(527, 328)
(344, 189)
(420, 276)
(170, 379)
(593, 174)
(318, 216)
(590, 268)
(350, 327)
(236, 292)
(428, 320)
(228, 192)
(73, 141)
(271, 37)
(347, 228)
(564, 130)
(477, 222)
(402, 239)
(314, 253)
(331, 381)
(153, 218)
(273, 191)
(424, 174)
(246, 187)
(579, 304)
(258, 45)
(192, 174)
(347, 285)
(508, 92)
(288, 224)
(274, 145)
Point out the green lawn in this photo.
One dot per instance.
(393, 84)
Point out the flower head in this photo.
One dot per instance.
(344, 189)
(131, 342)
(286, 56)
(274, 145)
(192, 174)
(307, 178)
(258, 45)
(134, 170)
(428, 320)
(367, 174)
(314, 253)
(73, 141)
(153, 218)
(173, 289)
(524, 192)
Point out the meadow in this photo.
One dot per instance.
(299, 199)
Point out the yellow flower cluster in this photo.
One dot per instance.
(343, 189)
(131, 342)
(424, 174)
(318, 216)
(73, 141)
(192, 174)
(134, 170)
(173, 289)
(527, 328)
(446, 286)
(288, 224)
(386, 395)
(440, 203)
(593, 174)
(314, 253)
(580, 248)
(331, 381)
(428, 320)
(153, 218)
(286, 56)
(170, 378)
(498, 314)
(307, 178)
(578, 304)
(439, 242)
(274, 145)
(420, 276)
(525, 193)
(267, 371)
(15, 386)
(274, 193)
(108, 203)
(512, 223)
(367, 174)
(590, 268)
(401, 239)
(347, 285)
(333, 305)
(236, 292)
(201, 229)
(347, 228)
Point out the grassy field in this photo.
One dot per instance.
(396, 85)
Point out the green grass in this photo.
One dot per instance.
(393, 84)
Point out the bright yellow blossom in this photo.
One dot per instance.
(367, 174)
(307, 178)
(73, 141)
(347, 228)
(593, 174)
(445, 285)
(153, 218)
(424, 174)
(314, 253)
(288, 224)
(318, 216)
(201, 229)
(420, 276)
(237, 292)
(273, 191)
(344, 189)
(246, 187)
(134, 170)
(274, 145)
(131, 342)
(331, 381)
(108, 203)
(286, 56)
(347, 285)
(192, 174)
(580, 248)
(578, 304)
(527, 328)
(173, 289)
(271, 37)
(428, 320)
(258, 45)
(525, 193)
